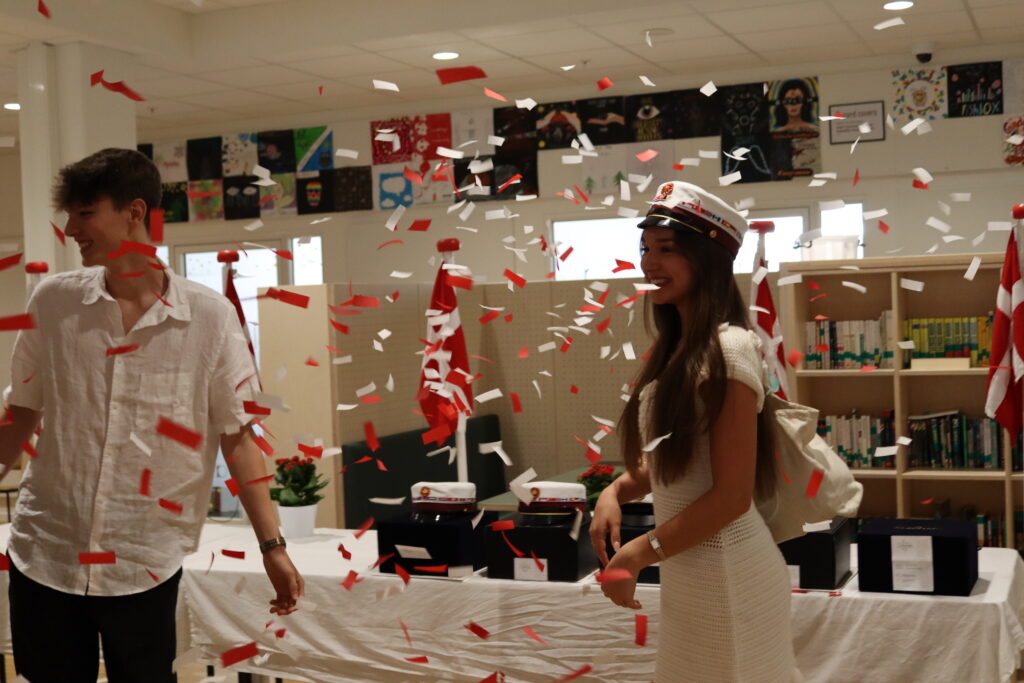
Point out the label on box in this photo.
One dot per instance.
(794, 575)
(460, 571)
(912, 564)
(526, 569)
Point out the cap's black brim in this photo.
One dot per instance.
(653, 220)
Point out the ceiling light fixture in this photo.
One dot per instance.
(897, 5)
(444, 56)
(12, 106)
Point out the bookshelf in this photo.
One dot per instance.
(900, 491)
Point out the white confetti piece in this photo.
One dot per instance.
(912, 285)
(342, 360)
(729, 179)
(627, 351)
(960, 196)
(627, 212)
(707, 153)
(488, 396)
(904, 440)
(864, 128)
(871, 215)
(912, 126)
(384, 85)
(347, 406)
(832, 204)
(923, 175)
(320, 220)
(854, 145)
(585, 141)
(495, 140)
(384, 333)
(390, 501)
(367, 389)
(972, 269)
(393, 219)
(139, 444)
(951, 238)
(567, 68)
(759, 309)
(1015, 139)
(495, 447)
(347, 153)
(526, 103)
(889, 23)
(817, 182)
(450, 153)
(945, 208)
(518, 485)
(481, 166)
(708, 89)
(606, 422)
(399, 275)
(255, 225)
(569, 159)
(853, 285)
(759, 275)
(789, 280)
(645, 286)
(411, 552)
(885, 451)
(906, 344)
(999, 226)
(941, 226)
(646, 81)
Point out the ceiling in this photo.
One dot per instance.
(243, 59)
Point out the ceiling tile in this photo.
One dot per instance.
(998, 17)
(990, 3)
(520, 85)
(634, 32)
(924, 27)
(895, 46)
(779, 17)
(308, 90)
(405, 78)
(585, 59)
(830, 53)
(509, 67)
(230, 99)
(674, 51)
(470, 52)
(163, 108)
(873, 11)
(658, 15)
(548, 42)
(504, 29)
(706, 6)
(703, 66)
(363, 64)
(620, 75)
(177, 86)
(794, 38)
(1003, 34)
(256, 77)
(439, 41)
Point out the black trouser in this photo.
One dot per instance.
(56, 635)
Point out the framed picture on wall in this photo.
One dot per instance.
(857, 118)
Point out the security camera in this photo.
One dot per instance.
(923, 52)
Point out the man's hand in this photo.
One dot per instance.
(286, 580)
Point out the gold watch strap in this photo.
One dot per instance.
(272, 543)
(656, 544)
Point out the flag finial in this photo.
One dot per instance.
(227, 256)
(1018, 212)
(762, 226)
(448, 244)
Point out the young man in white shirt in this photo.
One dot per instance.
(127, 363)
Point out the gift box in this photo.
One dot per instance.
(547, 540)
(933, 556)
(637, 520)
(821, 557)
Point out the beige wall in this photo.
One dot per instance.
(12, 280)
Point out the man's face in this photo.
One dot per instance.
(98, 228)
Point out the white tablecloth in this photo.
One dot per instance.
(355, 635)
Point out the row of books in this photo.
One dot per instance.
(949, 338)
(848, 344)
(856, 437)
(951, 440)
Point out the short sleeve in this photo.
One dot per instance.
(26, 388)
(233, 381)
(742, 352)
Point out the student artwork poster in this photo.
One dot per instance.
(793, 124)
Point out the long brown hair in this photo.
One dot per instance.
(681, 350)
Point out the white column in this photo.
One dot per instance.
(64, 118)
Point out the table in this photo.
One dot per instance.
(355, 635)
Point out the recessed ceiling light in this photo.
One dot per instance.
(443, 56)
(12, 106)
(898, 5)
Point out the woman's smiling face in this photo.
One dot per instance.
(663, 264)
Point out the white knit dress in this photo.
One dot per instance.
(725, 613)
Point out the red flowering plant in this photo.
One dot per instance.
(596, 479)
(299, 482)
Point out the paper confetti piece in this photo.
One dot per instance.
(919, 185)
(530, 632)
(651, 445)
(23, 321)
(10, 261)
(43, 9)
(176, 432)
(371, 436)
(405, 629)
(97, 558)
(515, 279)
(58, 232)
(941, 226)
(585, 669)
(456, 74)
(346, 153)
(238, 654)
(364, 527)
(351, 580)
(144, 480)
(385, 85)
(604, 84)
(815, 483)
(232, 486)
(730, 178)
(118, 350)
(794, 357)
(646, 155)
(889, 23)
(527, 103)
(171, 506)
(610, 575)
(972, 269)
(646, 81)
(432, 569)
(488, 395)
(885, 451)
(422, 659)
(284, 296)
(477, 629)
(641, 629)
(912, 285)
(853, 285)
(118, 87)
(494, 96)
(388, 501)
(233, 554)
(708, 89)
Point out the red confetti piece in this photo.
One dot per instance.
(621, 265)
(405, 630)
(794, 357)
(259, 480)
(43, 9)
(311, 451)
(172, 506)
(253, 408)
(363, 459)
(515, 279)
(530, 632)
(431, 569)
(400, 570)
(350, 580)
(263, 444)
(884, 227)
(234, 554)
(412, 176)
(611, 575)
(382, 559)
(364, 527)
(381, 466)
(118, 87)
(536, 561)
(919, 185)
(524, 352)
(58, 232)
(156, 579)
(566, 344)
(238, 654)
(312, 362)
(815, 483)
(816, 297)
(517, 406)
(420, 225)
(580, 192)
(641, 629)
(458, 281)
(604, 84)
(10, 261)
(456, 74)
(279, 633)
(603, 325)
(384, 244)
(494, 96)
(339, 327)
(144, 480)
(593, 456)
(565, 254)
(422, 659)
(371, 436)
(927, 501)
(176, 432)
(868, 368)
(23, 321)
(856, 177)
(156, 225)
(97, 558)
(489, 316)
(811, 284)
(585, 669)
(117, 350)
(477, 629)
(626, 302)
(574, 389)
(496, 677)
(344, 553)
(284, 253)
(195, 194)
(28, 448)
(646, 155)
(164, 301)
(503, 525)
(514, 179)
(232, 485)
(567, 196)
(267, 199)
(284, 296)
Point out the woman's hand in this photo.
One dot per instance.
(287, 581)
(607, 521)
(623, 591)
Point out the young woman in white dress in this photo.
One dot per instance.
(725, 592)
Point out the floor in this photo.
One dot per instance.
(190, 673)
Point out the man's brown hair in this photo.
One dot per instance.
(121, 174)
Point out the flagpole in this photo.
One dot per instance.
(448, 247)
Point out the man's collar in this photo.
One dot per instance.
(175, 303)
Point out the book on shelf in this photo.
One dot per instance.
(954, 337)
(848, 344)
(950, 440)
(855, 438)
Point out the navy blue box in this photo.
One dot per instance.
(449, 538)
(637, 520)
(548, 537)
(823, 556)
(954, 553)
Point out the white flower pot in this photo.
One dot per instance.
(296, 521)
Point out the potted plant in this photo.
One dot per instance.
(596, 479)
(297, 495)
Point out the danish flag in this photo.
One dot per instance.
(766, 320)
(1004, 401)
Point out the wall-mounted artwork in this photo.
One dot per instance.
(391, 188)
(919, 93)
(793, 124)
(204, 159)
(278, 199)
(975, 89)
(744, 121)
(392, 140)
(697, 115)
(174, 202)
(651, 116)
(314, 192)
(518, 127)
(238, 153)
(1013, 154)
(169, 158)
(353, 188)
(276, 150)
(604, 120)
(206, 200)
(558, 124)
(314, 149)
(241, 198)
(475, 179)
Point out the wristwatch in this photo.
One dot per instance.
(656, 544)
(272, 543)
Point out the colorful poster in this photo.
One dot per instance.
(475, 178)
(276, 150)
(600, 175)
(919, 93)
(427, 133)
(518, 127)
(508, 166)
(206, 199)
(238, 154)
(278, 199)
(604, 120)
(314, 192)
(975, 89)
(1013, 154)
(697, 114)
(353, 188)
(241, 198)
(204, 156)
(169, 158)
(744, 121)
(651, 117)
(314, 149)
(392, 140)
(558, 124)
(174, 202)
(476, 124)
(391, 188)
(437, 185)
(793, 124)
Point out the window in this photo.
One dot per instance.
(595, 246)
(842, 234)
(307, 261)
(780, 246)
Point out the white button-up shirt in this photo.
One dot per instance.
(84, 493)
